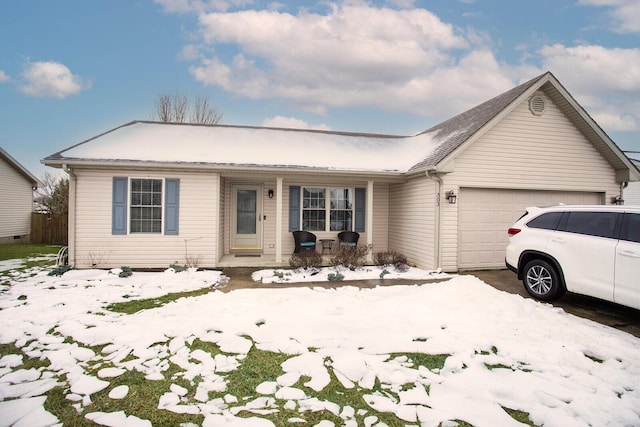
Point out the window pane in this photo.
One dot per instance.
(631, 230)
(601, 224)
(547, 221)
(341, 209)
(146, 206)
(313, 209)
(246, 211)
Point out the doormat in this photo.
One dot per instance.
(247, 255)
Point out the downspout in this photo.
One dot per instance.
(432, 174)
(71, 225)
(623, 185)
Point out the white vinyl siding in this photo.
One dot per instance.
(95, 245)
(526, 152)
(632, 194)
(16, 201)
(412, 213)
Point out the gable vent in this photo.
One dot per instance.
(537, 105)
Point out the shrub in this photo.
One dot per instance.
(59, 271)
(125, 272)
(309, 259)
(349, 256)
(177, 267)
(335, 277)
(391, 258)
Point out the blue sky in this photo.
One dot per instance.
(72, 69)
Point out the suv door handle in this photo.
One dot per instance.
(558, 240)
(630, 254)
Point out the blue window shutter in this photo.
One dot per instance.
(294, 208)
(171, 206)
(119, 205)
(361, 202)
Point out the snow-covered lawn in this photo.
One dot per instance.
(504, 351)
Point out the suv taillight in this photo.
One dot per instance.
(513, 231)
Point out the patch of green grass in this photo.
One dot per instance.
(520, 416)
(594, 358)
(142, 399)
(26, 250)
(259, 366)
(497, 366)
(27, 362)
(429, 361)
(134, 306)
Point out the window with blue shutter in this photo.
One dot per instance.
(294, 208)
(171, 206)
(119, 206)
(360, 204)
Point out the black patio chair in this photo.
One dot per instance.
(348, 238)
(305, 241)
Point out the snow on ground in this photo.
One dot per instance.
(505, 350)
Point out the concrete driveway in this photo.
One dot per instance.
(610, 314)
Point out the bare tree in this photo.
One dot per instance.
(177, 108)
(53, 196)
(205, 113)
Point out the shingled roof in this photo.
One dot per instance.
(224, 146)
(457, 130)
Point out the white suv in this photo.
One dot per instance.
(590, 250)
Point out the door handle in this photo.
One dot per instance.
(629, 254)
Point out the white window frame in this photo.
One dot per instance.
(130, 206)
(327, 207)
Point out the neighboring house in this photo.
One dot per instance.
(16, 199)
(632, 192)
(148, 194)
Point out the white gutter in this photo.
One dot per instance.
(71, 222)
(435, 175)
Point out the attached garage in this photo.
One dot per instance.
(485, 214)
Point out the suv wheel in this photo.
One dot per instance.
(541, 280)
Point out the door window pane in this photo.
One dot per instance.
(246, 211)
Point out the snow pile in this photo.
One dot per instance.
(504, 351)
(345, 274)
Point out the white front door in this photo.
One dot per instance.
(246, 218)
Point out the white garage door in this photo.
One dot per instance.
(486, 214)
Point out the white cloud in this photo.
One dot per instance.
(4, 77)
(354, 55)
(624, 14)
(200, 6)
(51, 79)
(605, 81)
(292, 123)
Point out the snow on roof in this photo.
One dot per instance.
(242, 146)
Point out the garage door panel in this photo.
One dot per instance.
(485, 215)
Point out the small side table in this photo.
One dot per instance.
(326, 244)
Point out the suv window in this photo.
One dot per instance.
(547, 221)
(601, 224)
(631, 228)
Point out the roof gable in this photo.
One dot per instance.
(459, 129)
(18, 167)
